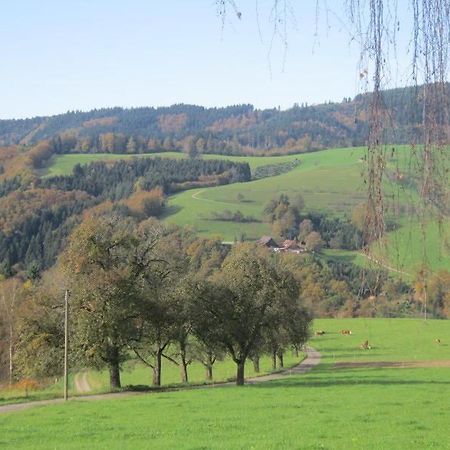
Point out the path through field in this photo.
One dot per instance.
(384, 265)
(312, 359)
(81, 382)
(195, 196)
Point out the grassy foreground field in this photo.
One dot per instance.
(354, 399)
(135, 373)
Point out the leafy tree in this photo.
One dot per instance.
(12, 294)
(162, 319)
(40, 328)
(234, 310)
(314, 241)
(306, 227)
(102, 277)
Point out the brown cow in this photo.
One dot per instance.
(346, 331)
(365, 346)
(319, 333)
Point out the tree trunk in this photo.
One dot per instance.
(274, 360)
(10, 354)
(114, 375)
(256, 364)
(240, 372)
(280, 359)
(157, 369)
(184, 371)
(209, 372)
(184, 364)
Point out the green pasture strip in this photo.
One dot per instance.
(390, 339)
(328, 408)
(64, 164)
(402, 250)
(404, 247)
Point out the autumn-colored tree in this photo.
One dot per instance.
(131, 145)
(306, 227)
(143, 204)
(190, 147)
(40, 153)
(439, 293)
(314, 241)
(11, 297)
(102, 277)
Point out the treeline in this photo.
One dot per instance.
(272, 170)
(240, 129)
(119, 180)
(34, 225)
(10, 185)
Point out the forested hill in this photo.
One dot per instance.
(230, 130)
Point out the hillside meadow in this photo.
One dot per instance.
(354, 399)
(330, 181)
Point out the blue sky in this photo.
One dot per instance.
(59, 55)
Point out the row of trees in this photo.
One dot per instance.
(147, 292)
(150, 293)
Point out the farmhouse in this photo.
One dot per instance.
(267, 241)
(293, 246)
(290, 246)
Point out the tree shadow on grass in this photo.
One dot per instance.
(326, 375)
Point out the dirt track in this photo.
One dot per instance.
(392, 364)
(81, 383)
(312, 359)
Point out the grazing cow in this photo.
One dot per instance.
(319, 333)
(346, 331)
(438, 341)
(365, 346)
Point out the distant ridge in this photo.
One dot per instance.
(231, 129)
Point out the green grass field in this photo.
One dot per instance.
(405, 247)
(401, 253)
(330, 181)
(134, 373)
(365, 406)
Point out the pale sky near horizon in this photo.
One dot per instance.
(83, 54)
